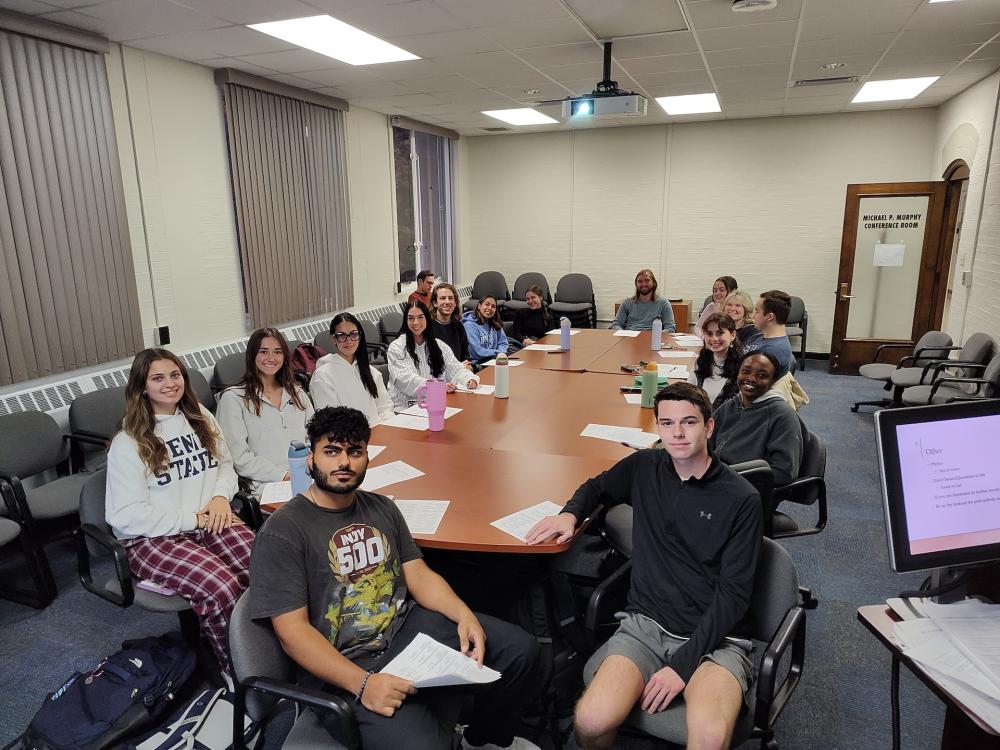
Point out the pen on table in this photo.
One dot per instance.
(558, 351)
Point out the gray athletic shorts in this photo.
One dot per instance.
(644, 643)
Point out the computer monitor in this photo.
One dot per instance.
(940, 468)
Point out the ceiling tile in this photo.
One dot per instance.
(711, 14)
(841, 91)
(656, 81)
(479, 13)
(341, 75)
(835, 49)
(628, 17)
(886, 72)
(917, 40)
(757, 85)
(663, 64)
(544, 90)
(407, 69)
(675, 43)
(858, 65)
(292, 61)
(373, 90)
(781, 53)
(477, 99)
(757, 35)
(873, 17)
(745, 72)
(937, 54)
(290, 80)
(561, 54)
(76, 19)
(445, 43)
(238, 64)
(679, 89)
(252, 11)
(28, 7)
(439, 85)
(490, 68)
(583, 71)
(230, 41)
(950, 15)
(122, 20)
(404, 100)
(171, 47)
(69, 4)
(989, 52)
(418, 17)
(525, 34)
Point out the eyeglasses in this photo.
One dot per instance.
(343, 337)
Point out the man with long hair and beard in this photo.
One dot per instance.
(345, 587)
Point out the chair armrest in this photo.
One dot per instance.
(820, 501)
(787, 491)
(15, 499)
(247, 507)
(90, 533)
(613, 584)
(964, 364)
(771, 699)
(889, 346)
(78, 439)
(300, 695)
(978, 382)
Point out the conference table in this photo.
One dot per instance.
(498, 456)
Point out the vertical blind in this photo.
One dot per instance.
(289, 174)
(67, 283)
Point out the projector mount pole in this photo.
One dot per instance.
(607, 86)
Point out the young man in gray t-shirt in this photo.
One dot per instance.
(345, 587)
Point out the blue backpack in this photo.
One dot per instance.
(123, 694)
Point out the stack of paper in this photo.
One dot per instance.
(672, 371)
(391, 473)
(274, 493)
(627, 334)
(428, 663)
(632, 436)
(422, 516)
(687, 339)
(519, 524)
(542, 348)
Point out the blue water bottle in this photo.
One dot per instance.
(564, 334)
(298, 471)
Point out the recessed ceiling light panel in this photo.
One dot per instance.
(894, 90)
(692, 104)
(522, 116)
(328, 36)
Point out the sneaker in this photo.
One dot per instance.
(519, 743)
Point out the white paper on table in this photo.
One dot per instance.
(542, 348)
(557, 331)
(374, 450)
(672, 371)
(629, 334)
(390, 473)
(480, 390)
(422, 516)
(633, 398)
(974, 628)
(408, 422)
(519, 524)
(428, 663)
(276, 492)
(913, 632)
(677, 353)
(889, 254)
(986, 708)
(687, 339)
(419, 411)
(510, 363)
(631, 435)
(938, 652)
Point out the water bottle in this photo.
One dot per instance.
(298, 471)
(657, 334)
(564, 334)
(650, 378)
(501, 377)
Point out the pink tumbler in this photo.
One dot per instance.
(432, 398)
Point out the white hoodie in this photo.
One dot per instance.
(140, 503)
(337, 382)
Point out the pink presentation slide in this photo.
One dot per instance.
(951, 483)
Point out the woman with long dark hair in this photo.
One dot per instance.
(415, 357)
(532, 323)
(170, 480)
(265, 411)
(717, 363)
(721, 288)
(346, 378)
(485, 331)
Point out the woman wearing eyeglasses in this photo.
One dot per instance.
(345, 378)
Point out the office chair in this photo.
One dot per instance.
(521, 284)
(490, 283)
(96, 415)
(933, 345)
(390, 326)
(16, 523)
(798, 325)
(946, 390)
(228, 371)
(575, 300)
(972, 358)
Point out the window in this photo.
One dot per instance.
(423, 170)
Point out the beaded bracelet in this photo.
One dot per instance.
(361, 690)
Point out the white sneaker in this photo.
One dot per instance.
(519, 743)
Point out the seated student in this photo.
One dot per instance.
(170, 480)
(416, 356)
(485, 331)
(769, 317)
(722, 288)
(346, 378)
(717, 363)
(699, 520)
(757, 423)
(638, 312)
(265, 411)
(446, 322)
(534, 322)
(425, 282)
(337, 573)
(739, 307)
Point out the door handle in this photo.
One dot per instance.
(844, 296)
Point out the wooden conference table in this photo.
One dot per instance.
(498, 456)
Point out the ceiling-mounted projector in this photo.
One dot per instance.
(605, 101)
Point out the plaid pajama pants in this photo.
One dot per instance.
(209, 570)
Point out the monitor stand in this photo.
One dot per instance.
(945, 577)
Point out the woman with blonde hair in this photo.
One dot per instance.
(265, 411)
(170, 480)
(739, 307)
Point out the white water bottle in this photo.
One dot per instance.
(564, 334)
(657, 334)
(501, 377)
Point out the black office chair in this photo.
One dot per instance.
(932, 346)
(325, 341)
(798, 325)
(946, 390)
(265, 675)
(203, 390)
(16, 523)
(575, 300)
(227, 371)
(521, 285)
(776, 620)
(376, 349)
(971, 360)
(96, 415)
(390, 326)
(488, 283)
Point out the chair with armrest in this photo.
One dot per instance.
(971, 360)
(947, 389)
(390, 326)
(265, 675)
(775, 619)
(488, 283)
(708, 300)
(575, 300)
(521, 285)
(932, 346)
(808, 488)
(325, 341)
(228, 371)
(16, 523)
(376, 349)
(203, 390)
(798, 325)
(97, 415)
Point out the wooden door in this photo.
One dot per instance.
(893, 277)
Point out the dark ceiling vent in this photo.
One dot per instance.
(825, 81)
(498, 130)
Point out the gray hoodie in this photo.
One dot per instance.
(768, 428)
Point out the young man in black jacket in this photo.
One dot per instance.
(696, 539)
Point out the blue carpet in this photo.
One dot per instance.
(842, 701)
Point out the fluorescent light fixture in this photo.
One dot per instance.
(328, 36)
(940, 1)
(522, 116)
(887, 91)
(692, 104)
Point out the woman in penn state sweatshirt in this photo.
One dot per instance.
(170, 480)
(757, 422)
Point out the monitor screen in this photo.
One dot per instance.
(940, 468)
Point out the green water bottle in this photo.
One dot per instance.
(649, 382)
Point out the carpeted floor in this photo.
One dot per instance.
(842, 701)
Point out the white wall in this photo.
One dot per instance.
(965, 130)
(762, 200)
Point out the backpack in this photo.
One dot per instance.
(206, 724)
(123, 694)
(304, 359)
